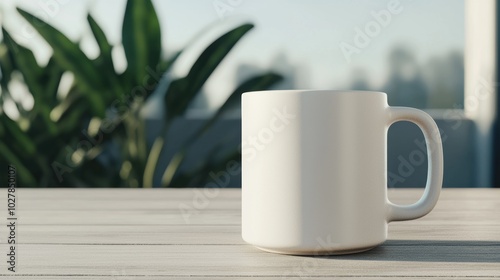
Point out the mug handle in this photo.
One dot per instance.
(435, 165)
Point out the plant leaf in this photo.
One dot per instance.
(260, 82)
(27, 65)
(105, 59)
(141, 37)
(52, 74)
(26, 179)
(6, 65)
(182, 91)
(70, 57)
(67, 53)
(42, 83)
(167, 64)
(22, 142)
(105, 47)
(51, 78)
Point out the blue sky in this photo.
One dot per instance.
(308, 33)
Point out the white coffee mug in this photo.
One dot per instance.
(314, 167)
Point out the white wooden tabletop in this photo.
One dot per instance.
(195, 233)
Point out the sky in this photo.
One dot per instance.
(314, 36)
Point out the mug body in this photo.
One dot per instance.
(314, 171)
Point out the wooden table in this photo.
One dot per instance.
(181, 233)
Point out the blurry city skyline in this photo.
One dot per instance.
(418, 44)
(437, 83)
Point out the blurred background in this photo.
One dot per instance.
(135, 93)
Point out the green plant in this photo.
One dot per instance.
(66, 139)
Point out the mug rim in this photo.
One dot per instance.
(313, 91)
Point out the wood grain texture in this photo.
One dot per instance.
(195, 233)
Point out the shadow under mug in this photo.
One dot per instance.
(314, 170)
